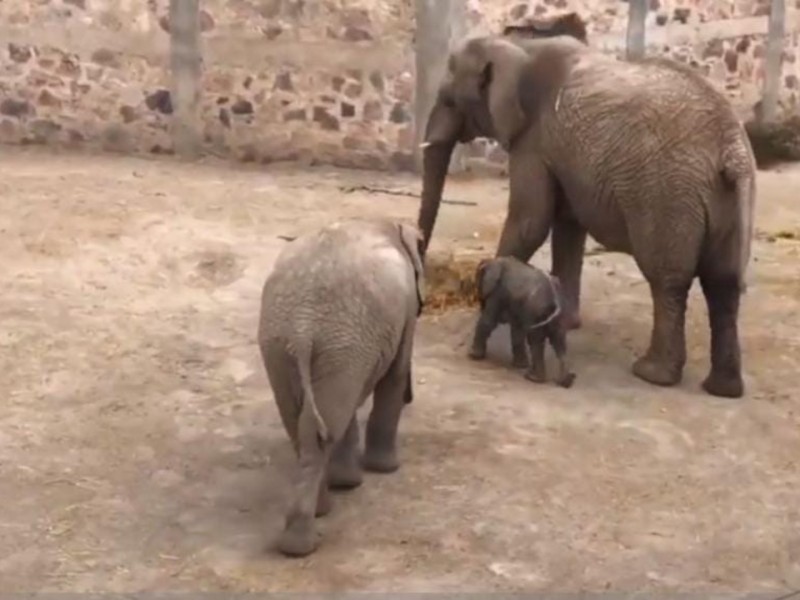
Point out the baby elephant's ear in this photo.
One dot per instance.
(411, 239)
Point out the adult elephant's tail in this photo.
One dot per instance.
(739, 171)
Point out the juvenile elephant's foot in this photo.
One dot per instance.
(381, 461)
(724, 385)
(299, 538)
(345, 475)
(657, 372)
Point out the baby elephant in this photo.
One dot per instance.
(530, 301)
(337, 323)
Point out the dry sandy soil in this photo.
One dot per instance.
(140, 449)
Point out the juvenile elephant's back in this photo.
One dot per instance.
(346, 290)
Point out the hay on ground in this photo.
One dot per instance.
(450, 281)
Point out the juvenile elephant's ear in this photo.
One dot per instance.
(411, 239)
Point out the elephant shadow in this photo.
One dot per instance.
(588, 350)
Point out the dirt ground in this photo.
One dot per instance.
(140, 449)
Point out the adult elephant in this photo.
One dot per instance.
(647, 157)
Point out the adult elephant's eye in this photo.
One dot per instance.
(448, 102)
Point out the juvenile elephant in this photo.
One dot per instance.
(530, 301)
(337, 324)
(646, 156)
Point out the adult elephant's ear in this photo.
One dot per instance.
(544, 73)
(411, 239)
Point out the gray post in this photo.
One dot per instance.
(634, 40)
(185, 62)
(439, 24)
(773, 60)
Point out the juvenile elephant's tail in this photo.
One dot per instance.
(309, 413)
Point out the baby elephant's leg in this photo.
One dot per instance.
(537, 371)
(520, 355)
(557, 335)
(344, 470)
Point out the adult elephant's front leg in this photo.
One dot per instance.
(531, 202)
(665, 358)
(568, 242)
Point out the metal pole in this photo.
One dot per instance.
(773, 59)
(635, 38)
(439, 23)
(185, 63)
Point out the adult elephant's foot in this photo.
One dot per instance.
(657, 372)
(477, 352)
(299, 538)
(380, 460)
(724, 385)
(537, 376)
(345, 475)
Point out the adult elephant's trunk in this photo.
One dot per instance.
(443, 130)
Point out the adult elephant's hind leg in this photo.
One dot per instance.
(667, 246)
(722, 297)
(664, 360)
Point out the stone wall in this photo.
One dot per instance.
(327, 81)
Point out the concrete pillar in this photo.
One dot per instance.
(186, 64)
(635, 37)
(773, 60)
(439, 25)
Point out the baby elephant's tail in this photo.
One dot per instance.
(310, 416)
(555, 289)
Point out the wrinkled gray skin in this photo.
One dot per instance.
(530, 301)
(647, 157)
(337, 324)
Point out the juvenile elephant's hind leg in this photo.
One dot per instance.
(665, 358)
(344, 470)
(722, 297)
(324, 501)
(300, 537)
(380, 448)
